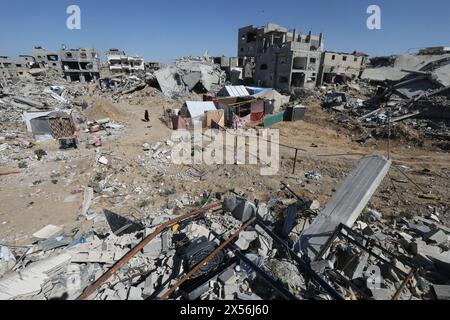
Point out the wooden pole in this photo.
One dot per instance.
(295, 161)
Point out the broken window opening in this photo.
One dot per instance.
(251, 37)
(52, 57)
(300, 63)
(298, 80)
(284, 79)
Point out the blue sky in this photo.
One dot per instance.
(165, 30)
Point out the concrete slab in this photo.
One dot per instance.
(442, 292)
(436, 236)
(347, 203)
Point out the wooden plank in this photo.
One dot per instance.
(273, 119)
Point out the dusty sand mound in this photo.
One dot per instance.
(101, 109)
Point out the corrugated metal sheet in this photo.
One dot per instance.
(198, 108)
(237, 91)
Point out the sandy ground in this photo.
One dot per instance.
(48, 191)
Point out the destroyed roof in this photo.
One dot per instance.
(403, 62)
(443, 75)
(198, 108)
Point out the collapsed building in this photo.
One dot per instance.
(80, 64)
(198, 74)
(231, 67)
(120, 62)
(47, 59)
(152, 66)
(283, 59)
(12, 69)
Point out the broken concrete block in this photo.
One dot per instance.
(322, 265)
(406, 240)
(135, 294)
(361, 225)
(149, 284)
(228, 276)
(347, 203)
(154, 248)
(291, 217)
(107, 257)
(103, 160)
(265, 242)
(420, 247)
(121, 291)
(87, 200)
(31, 279)
(442, 262)
(230, 290)
(245, 239)
(374, 215)
(382, 294)
(247, 297)
(315, 205)
(165, 242)
(244, 210)
(108, 294)
(7, 260)
(361, 266)
(442, 292)
(47, 232)
(420, 229)
(371, 230)
(436, 236)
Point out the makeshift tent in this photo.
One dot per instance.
(215, 119)
(257, 110)
(50, 125)
(272, 95)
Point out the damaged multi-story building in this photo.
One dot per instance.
(120, 62)
(80, 64)
(283, 59)
(336, 67)
(152, 66)
(12, 68)
(47, 59)
(230, 65)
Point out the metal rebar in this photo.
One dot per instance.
(94, 287)
(206, 260)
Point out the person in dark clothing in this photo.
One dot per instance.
(147, 116)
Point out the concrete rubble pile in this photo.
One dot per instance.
(123, 84)
(38, 99)
(196, 74)
(233, 248)
(411, 90)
